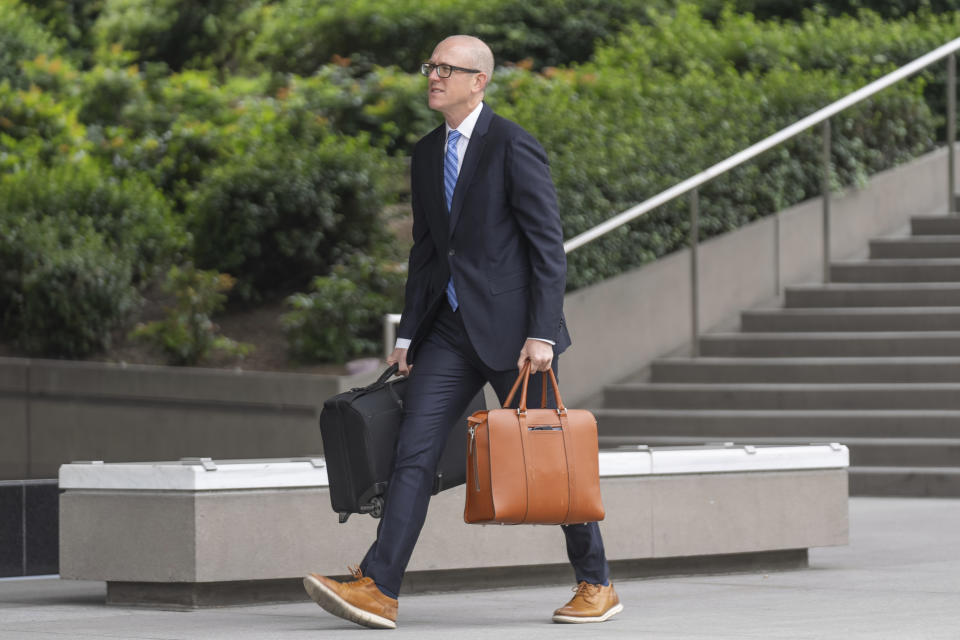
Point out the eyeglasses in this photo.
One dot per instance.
(443, 70)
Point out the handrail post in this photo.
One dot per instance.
(694, 273)
(389, 335)
(776, 254)
(951, 133)
(825, 185)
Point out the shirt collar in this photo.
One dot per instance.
(466, 127)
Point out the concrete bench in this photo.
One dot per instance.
(199, 532)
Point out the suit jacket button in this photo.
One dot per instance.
(452, 252)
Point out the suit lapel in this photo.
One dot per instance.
(469, 165)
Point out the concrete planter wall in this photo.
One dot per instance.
(181, 534)
(52, 412)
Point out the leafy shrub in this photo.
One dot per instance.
(300, 36)
(63, 290)
(179, 33)
(21, 38)
(109, 92)
(134, 218)
(70, 20)
(342, 316)
(282, 215)
(187, 335)
(36, 129)
(387, 103)
(860, 48)
(794, 10)
(654, 118)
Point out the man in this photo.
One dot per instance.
(485, 283)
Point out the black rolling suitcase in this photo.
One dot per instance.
(359, 432)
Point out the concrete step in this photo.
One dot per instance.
(833, 344)
(926, 270)
(932, 482)
(935, 225)
(942, 246)
(799, 370)
(807, 426)
(864, 451)
(872, 295)
(806, 397)
(852, 319)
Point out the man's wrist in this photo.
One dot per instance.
(550, 342)
(402, 343)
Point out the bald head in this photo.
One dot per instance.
(458, 94)
(476, 49)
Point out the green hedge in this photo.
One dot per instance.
(22, 39)
(135, 220)
(262, 159)
(300, 36)
(63, 290)
(179, 33)
(36, 129)
(641, 119)
(278, 217)
(69, 20)
(798, 9)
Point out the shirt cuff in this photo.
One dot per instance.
(550, 342)
(402, 343)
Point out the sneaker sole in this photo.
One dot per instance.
(609, 613)
(332, 603)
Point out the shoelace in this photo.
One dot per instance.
(355, 571)
(586, 590)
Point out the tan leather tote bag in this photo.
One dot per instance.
(532, 466)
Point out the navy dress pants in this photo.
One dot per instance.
(446, 375)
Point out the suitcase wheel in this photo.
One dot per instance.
(376, 509)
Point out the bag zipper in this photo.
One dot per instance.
(473, 454)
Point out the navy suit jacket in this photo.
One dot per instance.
(501, 240)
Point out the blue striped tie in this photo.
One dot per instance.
(450, 172)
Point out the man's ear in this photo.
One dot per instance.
(481, 81)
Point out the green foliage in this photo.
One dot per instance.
(300, 36)
(179, 33)
(36, 129)
(21, 38)
(63, 291)
(342, 316)
(128, 123)
(279, 216)
(656, 115)
(70, 20)
(109, 94)
(187, 335)
(796, 9)
(387, 103)
(134, 219)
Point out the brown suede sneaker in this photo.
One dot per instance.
(358, 601)
(591, 603)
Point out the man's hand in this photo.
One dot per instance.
(399, 356)
(538, 352)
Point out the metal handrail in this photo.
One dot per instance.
(692, 184)
(764, 145)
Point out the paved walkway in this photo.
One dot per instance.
(898, 579)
